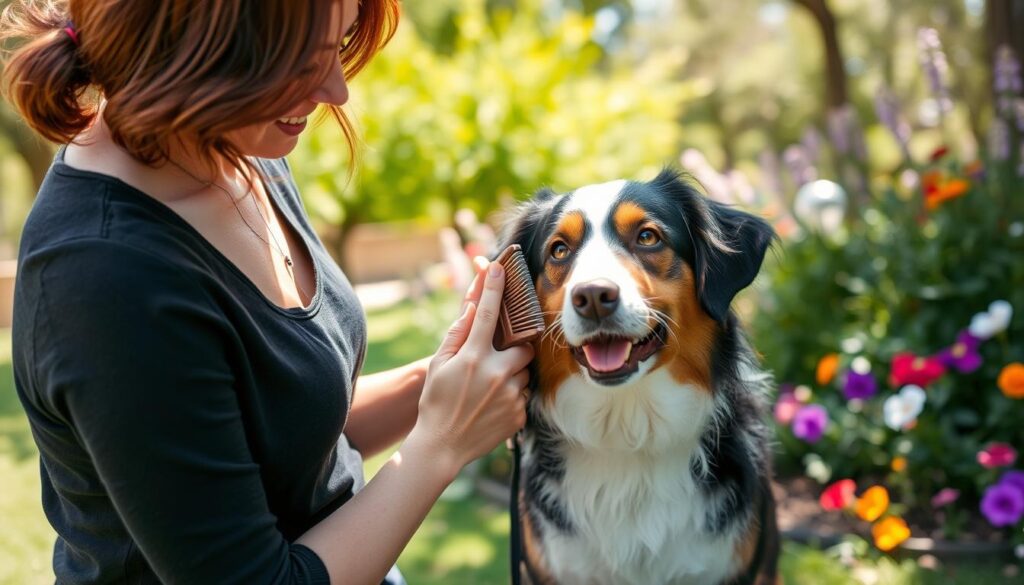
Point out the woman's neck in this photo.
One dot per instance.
(188, 175)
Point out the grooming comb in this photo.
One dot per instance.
(520, 319)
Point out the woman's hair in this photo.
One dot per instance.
(199, 68)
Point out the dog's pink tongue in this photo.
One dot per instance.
(607, 356)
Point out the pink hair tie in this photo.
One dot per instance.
(70, 30)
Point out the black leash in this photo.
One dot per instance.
(516, 537)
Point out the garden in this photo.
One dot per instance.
(883, 139)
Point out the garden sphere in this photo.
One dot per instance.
(821, 205)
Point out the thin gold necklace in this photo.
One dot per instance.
(289, 264)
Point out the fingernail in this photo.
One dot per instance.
(495, 269)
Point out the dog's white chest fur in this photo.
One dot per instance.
(629, 489)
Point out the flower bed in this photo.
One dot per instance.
(901, 354)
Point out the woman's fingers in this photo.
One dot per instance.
(482, 334)
(457, 334)
(518, 357)
(477, 286)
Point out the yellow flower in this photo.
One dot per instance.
(826, 370)
(1011, 380)
(890, 532)
(899, 464)
(873, 503)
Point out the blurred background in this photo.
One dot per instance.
(883, 140)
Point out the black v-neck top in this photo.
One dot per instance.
(189, 429)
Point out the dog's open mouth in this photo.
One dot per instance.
(610, 359)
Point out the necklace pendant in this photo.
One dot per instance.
(288, 261)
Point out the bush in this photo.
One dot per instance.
(902, 368)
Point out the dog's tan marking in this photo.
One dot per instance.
(689, 359)
(554, 361)
(571, 228)
(691, 332)
(532, 553)
(627, 217)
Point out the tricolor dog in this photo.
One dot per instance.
(645, 459)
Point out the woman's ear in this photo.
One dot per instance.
(728, 256)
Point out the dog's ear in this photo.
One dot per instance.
(524, 225)
(728, 245)
(731, 263)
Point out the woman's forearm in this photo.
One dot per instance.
(385, 407)
(361, 540)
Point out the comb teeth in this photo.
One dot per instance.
(521, 319)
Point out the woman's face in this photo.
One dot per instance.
(277, 138)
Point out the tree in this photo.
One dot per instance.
(516, 105)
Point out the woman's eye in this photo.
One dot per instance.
(559, 250)
(647, 238)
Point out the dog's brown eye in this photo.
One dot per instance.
(647, 238)
(559, 250)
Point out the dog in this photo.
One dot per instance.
(645, 457)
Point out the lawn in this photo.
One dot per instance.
(464, 539)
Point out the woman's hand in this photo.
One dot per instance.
(474, 396)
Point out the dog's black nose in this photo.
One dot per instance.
(596, 299)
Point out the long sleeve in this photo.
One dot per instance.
(132, 354)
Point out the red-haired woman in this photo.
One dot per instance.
(185, 349)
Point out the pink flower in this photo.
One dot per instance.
(786, 407)
(997, 455)
(810, 423)
(945, 497)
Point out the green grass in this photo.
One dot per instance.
(464, 539)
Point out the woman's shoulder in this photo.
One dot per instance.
(104, 223)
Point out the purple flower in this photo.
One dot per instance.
(945, 497)
(887, 108)
(962, 355)
(935, 66)
(859, 385)
(1002, 504)
(798, 162)
(1006, 73)
(810, 423)
(1013, 478)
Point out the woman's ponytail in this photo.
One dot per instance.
(44, 75)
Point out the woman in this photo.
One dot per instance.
(186, 351)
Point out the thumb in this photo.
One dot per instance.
(457, 334)
(482, 334)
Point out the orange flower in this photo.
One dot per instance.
(873, 503)
(1011, 380)
(890, 532)
(899, 464)
(826, 370)
(940, 192)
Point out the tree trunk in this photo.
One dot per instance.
(1004, 25)
(835, 73)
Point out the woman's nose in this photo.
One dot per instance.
(334, 88)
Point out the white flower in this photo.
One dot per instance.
(990, 323)
(900, 410)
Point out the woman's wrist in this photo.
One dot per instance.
(423, 444)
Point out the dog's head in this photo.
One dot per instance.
(634, 276)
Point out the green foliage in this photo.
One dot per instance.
(516, 105)
(904, 278)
